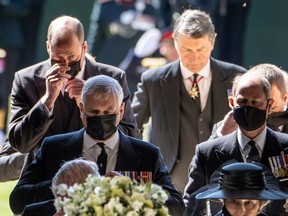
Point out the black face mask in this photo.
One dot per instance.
(74, 68)
(101, 127)
(249, 118)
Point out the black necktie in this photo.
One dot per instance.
(102, 159)
(195, 92)
(253, 154)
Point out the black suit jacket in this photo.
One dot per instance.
(210, 155)
(45, 208)
(133, 155)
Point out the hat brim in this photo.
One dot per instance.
(220, 193)
(272, 191)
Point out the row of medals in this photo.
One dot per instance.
(279, 165)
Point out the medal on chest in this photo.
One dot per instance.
(194, 93)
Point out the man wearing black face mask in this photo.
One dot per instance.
(277, 118)
(251, 104)
(102, 109)
(45, 97)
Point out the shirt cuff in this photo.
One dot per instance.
(219, 134)
(48, 113)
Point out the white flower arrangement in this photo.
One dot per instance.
(108, 196)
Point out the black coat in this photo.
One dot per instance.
(133, 155)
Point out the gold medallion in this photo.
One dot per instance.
(194, 92)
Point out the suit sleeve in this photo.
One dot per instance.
(214, 133)
(11, 163)
(197, 179)
(162, 177)
(27, 124)
(33, 186)
(140, 103)
(128, 123)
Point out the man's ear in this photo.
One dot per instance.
(285, 98)
(214, 39)
(269, 105)
(122, 109)
(48, 47)
(81, 107)
(85, 47)
(231, 102)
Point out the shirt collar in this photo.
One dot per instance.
(259, 140)
(205, 72)
(110, 143)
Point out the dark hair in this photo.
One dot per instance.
(273, 74)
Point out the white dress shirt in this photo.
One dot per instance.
(204, 84)
(111, 148)
(259, 143)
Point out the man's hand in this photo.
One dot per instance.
(74, 89)
(229, 124)
(55, 79)
(59, 213)
(112, 174)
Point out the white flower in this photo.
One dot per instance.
(132, 213)
(150, 212)
(136, 205)
(117, 196)
(62, 189)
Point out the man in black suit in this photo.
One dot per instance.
(186, 97)
(45, 97)
(277, 118)
(102, 109)
(251, 104)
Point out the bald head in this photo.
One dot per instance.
(249, 80)
(63, 28)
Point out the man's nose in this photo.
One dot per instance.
(193, 56)
(242, 210)
(64, 61)
(249, 103)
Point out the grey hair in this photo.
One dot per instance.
(74, 171)
(103, 87)
(64, 27)
(195, 24)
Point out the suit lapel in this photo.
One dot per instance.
(170, 88)
(89, 70)
(127, 159)
(39, 78)
(230, 149)
(73, 147)
(218, 90)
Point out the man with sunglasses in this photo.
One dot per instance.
(45, 97)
